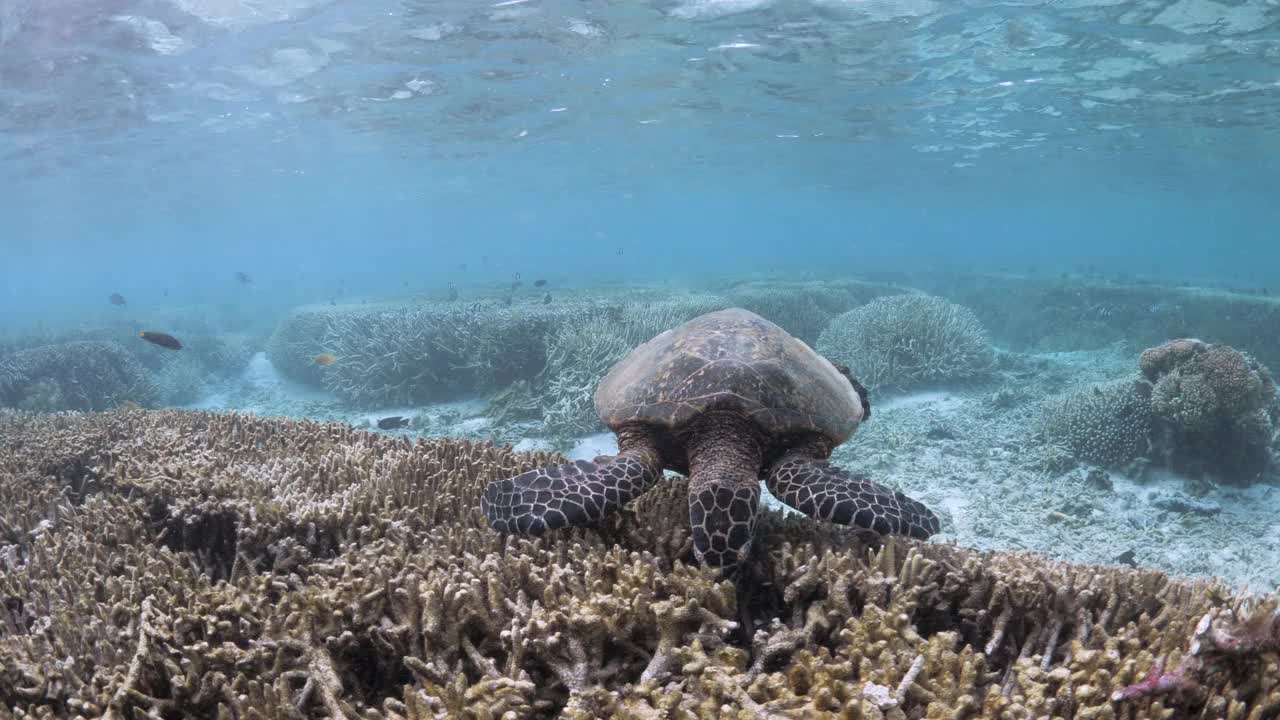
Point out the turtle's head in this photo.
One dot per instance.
(723, 519)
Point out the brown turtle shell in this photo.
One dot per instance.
(730, 360)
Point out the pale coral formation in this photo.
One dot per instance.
(905, 341)
(83, 375)
(175, 565)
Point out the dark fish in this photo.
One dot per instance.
(539, 283)
(164, 340)
(546, 299)
(393, 422)
(1127, 558)
(619, 252)
(243, 278)
(118, 299)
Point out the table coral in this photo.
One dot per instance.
(175, 565)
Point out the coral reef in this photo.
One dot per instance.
(905, 341)
(1199, 409)
(299, 337)
(83, 375)
(427, 353)
(1214, 409)
(1038, 312)
(803, 309)
(175, 565)
(1108, 424)
(181, 380)
(219, 356)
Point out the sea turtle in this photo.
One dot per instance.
(726, 398)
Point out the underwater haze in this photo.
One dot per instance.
(598, 359)
(167, 144)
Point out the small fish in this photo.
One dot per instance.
(619, 252)
(166, 293)
(515, 281)
(539, 283)
(453, 292)
(326, 359)
(243, 277)
(118, 300)
(546, 299)
(164, 340)
(1127, 558)
(393, 422)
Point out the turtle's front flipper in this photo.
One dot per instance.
(823, 491)
(576, 493)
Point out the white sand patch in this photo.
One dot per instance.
(591, 446)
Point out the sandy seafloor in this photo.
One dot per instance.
(977, 462)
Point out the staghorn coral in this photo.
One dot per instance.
(181, 380)
(219, 355)
(169, 564)
(1214, 409)
(802, 309)
(1108, 424)
(83, 375)
(415, 354)
(298, 338)
(905, 341)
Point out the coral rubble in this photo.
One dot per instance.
(174, 565)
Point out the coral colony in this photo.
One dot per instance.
(181, 564)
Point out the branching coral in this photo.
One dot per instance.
(192, 565)
(802, 309)
(905, 341)
(299, 338)
(85, 375)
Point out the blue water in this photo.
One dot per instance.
(157, 147)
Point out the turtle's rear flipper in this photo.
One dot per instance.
(825, 492)
(576, 493)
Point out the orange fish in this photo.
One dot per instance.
(326, 359)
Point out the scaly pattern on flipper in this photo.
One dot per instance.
(826, 492)
(723, 519)
(576, 493)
